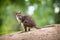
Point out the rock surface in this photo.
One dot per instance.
(50, 33)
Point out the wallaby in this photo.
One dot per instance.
(27, 21)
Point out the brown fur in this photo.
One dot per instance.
(27, 21)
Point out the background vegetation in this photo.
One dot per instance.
(44, 12)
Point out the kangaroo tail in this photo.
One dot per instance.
(36, 27)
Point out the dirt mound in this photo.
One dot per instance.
(49, 33)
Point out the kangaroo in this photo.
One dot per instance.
(27, 21)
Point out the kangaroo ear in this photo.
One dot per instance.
(20, 12)
(16, 13)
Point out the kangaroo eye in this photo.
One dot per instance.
(20, 17)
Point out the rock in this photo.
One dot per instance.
(49, 33)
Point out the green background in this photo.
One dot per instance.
(43, 12)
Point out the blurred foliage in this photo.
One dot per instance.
(57, 18)
(43, 13)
